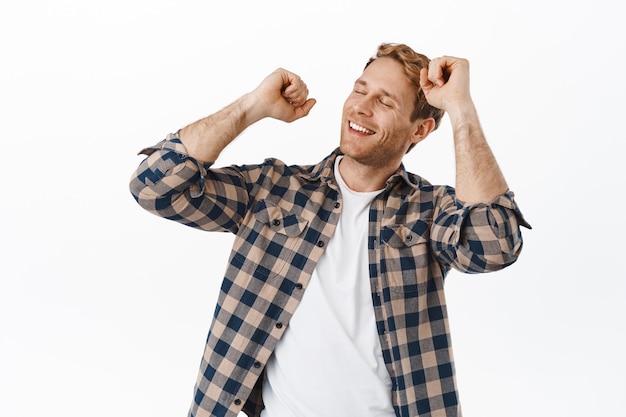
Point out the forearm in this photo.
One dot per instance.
(446, 86)
(478, 176)
(206, 138)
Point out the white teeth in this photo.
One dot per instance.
(360, 128)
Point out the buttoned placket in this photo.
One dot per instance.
(377, 282)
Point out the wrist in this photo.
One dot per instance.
(462, 114)
(251, 109)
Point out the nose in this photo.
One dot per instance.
(364, 105)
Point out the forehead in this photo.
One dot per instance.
(387, 76)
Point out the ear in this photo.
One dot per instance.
(423, 127)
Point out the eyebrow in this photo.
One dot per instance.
(383, 91)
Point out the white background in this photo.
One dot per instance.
(104, 308)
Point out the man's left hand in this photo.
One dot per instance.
(446, 83)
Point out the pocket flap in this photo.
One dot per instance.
(279, 220)
(400, 235)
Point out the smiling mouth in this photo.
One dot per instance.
(361, 129)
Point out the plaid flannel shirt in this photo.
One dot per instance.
(282, 217)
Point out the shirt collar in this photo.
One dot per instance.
(323, 171)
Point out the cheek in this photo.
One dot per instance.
(390, 125)
(348, 104)
(401, 123)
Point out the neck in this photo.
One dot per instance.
(364, 178)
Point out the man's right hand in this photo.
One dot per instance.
(282, 95)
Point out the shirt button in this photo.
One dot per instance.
(276, 222)
(299, 286)
(237, 401)
(279, 325)
(337, 204)
(409, 238)
(320, 244)
(257, 365)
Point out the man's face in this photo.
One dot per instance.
(376, 128)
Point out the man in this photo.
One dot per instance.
(332, 303)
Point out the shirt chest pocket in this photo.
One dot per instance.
(406, 256)
(271, 243)
(278, 220)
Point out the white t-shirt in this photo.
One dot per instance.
(329, 362)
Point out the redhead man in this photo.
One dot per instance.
(332, 303)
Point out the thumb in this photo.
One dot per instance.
(305, 108)
(425, 83)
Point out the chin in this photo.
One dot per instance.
(349, 149)
(360, 155)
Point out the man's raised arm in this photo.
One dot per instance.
(282, 95)
(446, 86)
